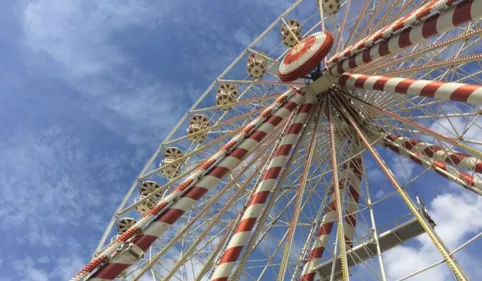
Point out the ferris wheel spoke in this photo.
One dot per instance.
(314, 186)
(262, 126)
(198, 149)
(189, 253)
(255, 239)
(422, 105)
(296, 169)
(375, 65)
(259, 237)
(451, 62)
(374, 230)
(252, 243)
(390, 10)
(312, 233)
(358, 21)
(338, 197)
(262, 82)
(322, 16)
(465, 180)
(439, 153)
(451, 262)
(211, 258)
(441, 90)
(179, 160)
(253, 212)
(181, 175)
(464, 12)
(214, 220)
(326, 223)
(261, 155)
(299, 198)
(442, 116)
(448, 115)
(341, 28)
(234, 104)
(371, 19)
(419, 12)
(353, 180)
(424, 130)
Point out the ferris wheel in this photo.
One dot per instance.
(292, 164)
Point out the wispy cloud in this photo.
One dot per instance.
(76, 41)
(75, 34)
(454, 226)
(71, 149)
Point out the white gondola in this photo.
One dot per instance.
(148, 187)
(257, 66)
(146, 205)
(330, 7)
(170, 155)
(197, 123)
(226, 94)
(290, 38)
(124, 224)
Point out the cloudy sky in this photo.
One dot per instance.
(87, 91)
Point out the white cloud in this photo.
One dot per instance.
(243, 36)
(75, 33)
(33, 274)
(379, 194)
(67, 266)
(460, 218)
(43, 259)
(48, 191)
(454, 214)
(73, 40)
(455, 127)
(403, 168)
(28, 271)
(147, 278)
(404, 260)
(63, 268)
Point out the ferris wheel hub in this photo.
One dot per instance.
(305, 56)
(320, 85)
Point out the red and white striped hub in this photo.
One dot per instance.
(305, 56)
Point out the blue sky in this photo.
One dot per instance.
(88, 89)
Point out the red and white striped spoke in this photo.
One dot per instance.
(229, 157)
(436, 152)
(425, 88)
(409, 20)
(354, 176)
(349, 175)
(439, 167)
(464, 12)
(257, 201)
